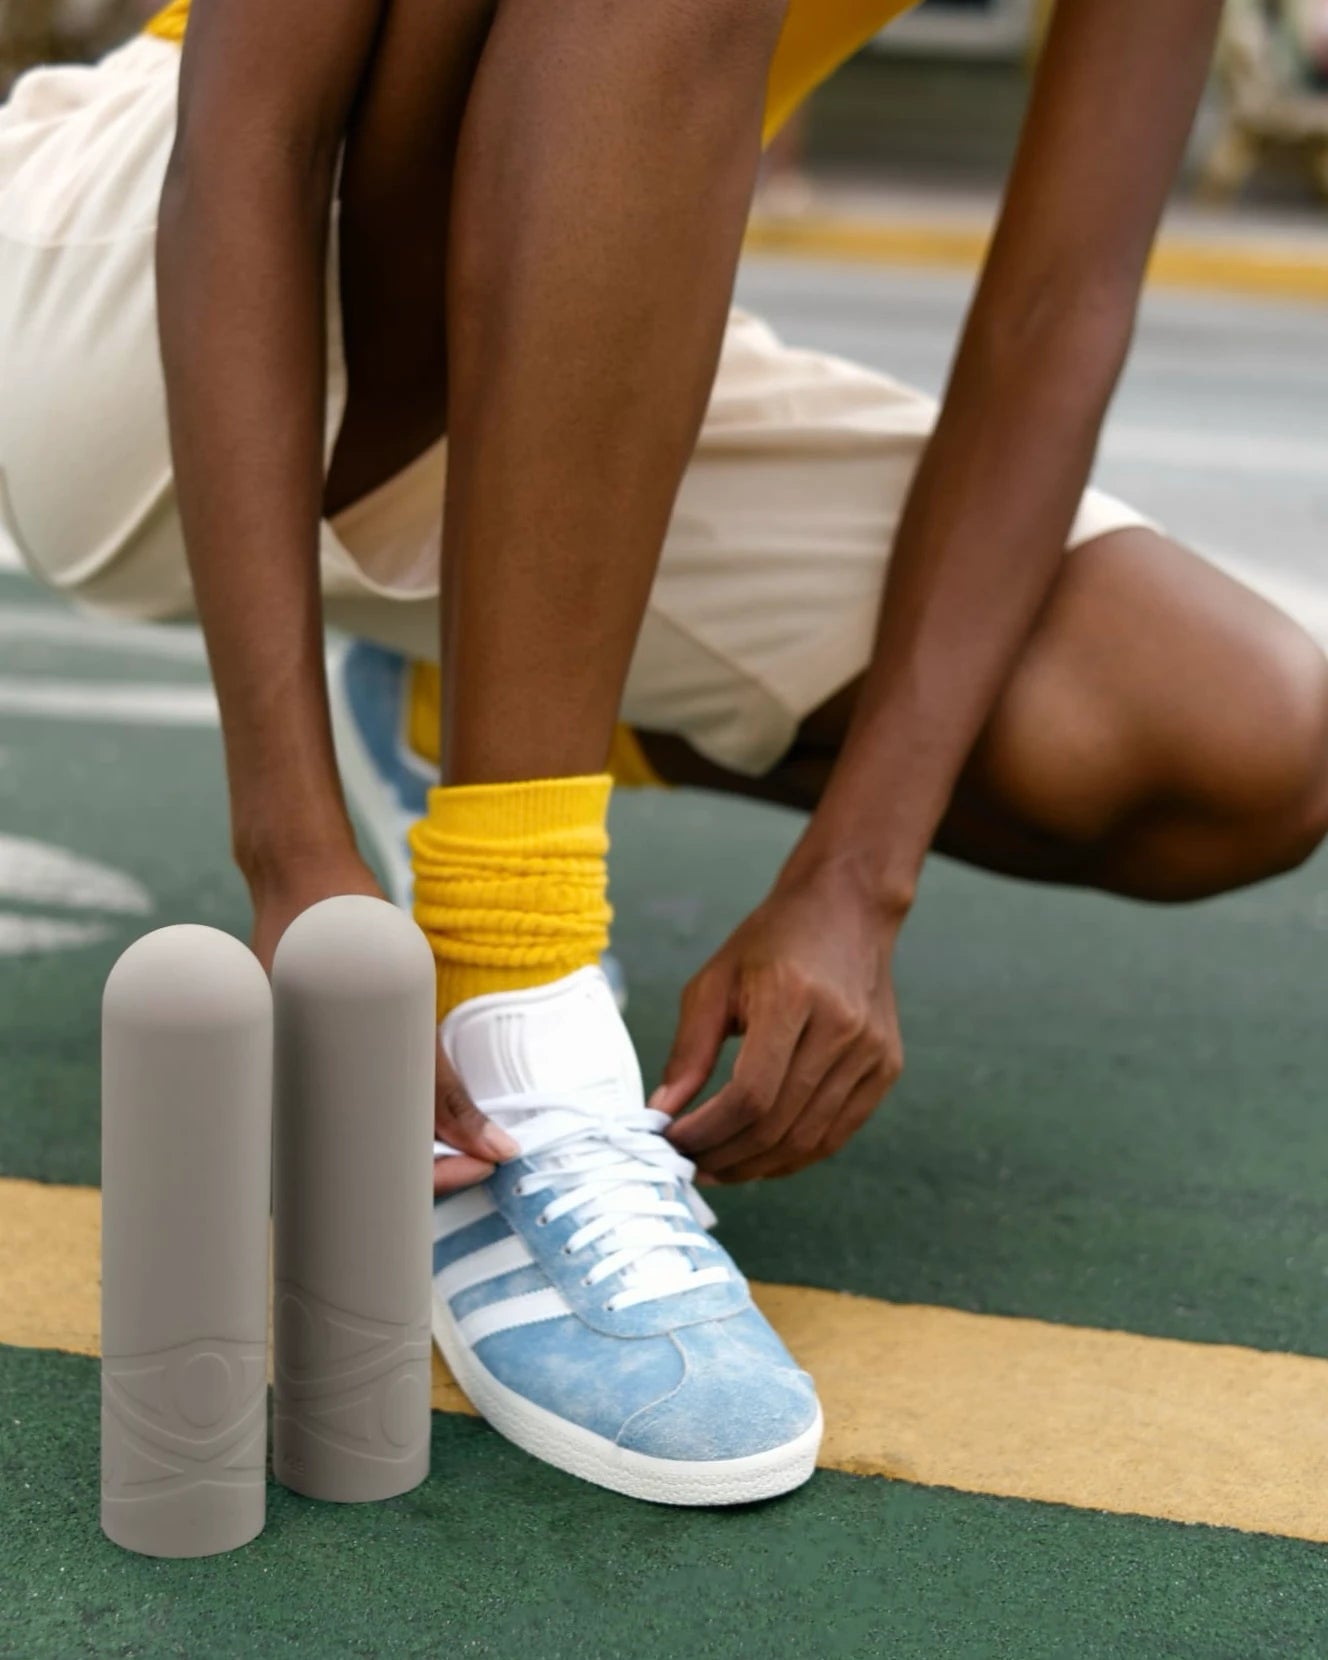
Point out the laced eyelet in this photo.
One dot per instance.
(586, 1281)
(567, 1250)
(611, 1307)
(541, 1221)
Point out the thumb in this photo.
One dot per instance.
(703, 1024)
(461, 1124)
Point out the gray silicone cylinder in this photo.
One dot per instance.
(186, 1143)
(353, 983)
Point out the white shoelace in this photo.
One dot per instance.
(610, 1169)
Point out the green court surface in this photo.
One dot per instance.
(1112, 1117)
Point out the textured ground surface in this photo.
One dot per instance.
(1112, 1118)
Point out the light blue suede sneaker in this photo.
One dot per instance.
(577, 1298)
(387, 782)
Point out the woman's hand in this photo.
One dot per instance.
(278, 898)
(806, 980)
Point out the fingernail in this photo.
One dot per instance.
(660, 1094)
(500, 1144)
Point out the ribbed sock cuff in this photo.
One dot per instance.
(511, 882)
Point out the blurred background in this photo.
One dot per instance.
(44, 31)
(937, 99)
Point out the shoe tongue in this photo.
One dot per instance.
(564, 1041)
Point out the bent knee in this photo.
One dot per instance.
(1239, 737)
(1285, 774)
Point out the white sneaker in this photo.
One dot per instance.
(577, 1298)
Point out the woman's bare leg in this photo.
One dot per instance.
(607, 158)
(560, 310)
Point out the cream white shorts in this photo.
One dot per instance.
(766, 597)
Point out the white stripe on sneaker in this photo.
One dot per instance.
(527, 1310)
(451, 1215)
(488, 1263)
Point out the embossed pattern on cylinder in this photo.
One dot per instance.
(353, 980)
(349, 1386)
(186, 1176)
(192, 1414)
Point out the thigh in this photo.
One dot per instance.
(396, 185)
(1153, 688)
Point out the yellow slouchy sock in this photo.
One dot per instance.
(511, 882)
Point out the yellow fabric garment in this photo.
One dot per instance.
(511, 883)
(170, 22)
(818, 35)
(629, 765)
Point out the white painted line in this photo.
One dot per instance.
(114, 703)
(49, 625)
(40, 873)
(25, 936)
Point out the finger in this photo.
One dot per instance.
(805, 1134)
(857, 1107)
(704, 1021)
(804, 1071)
(461, 1124)
(456, 1171)
(769, 1042)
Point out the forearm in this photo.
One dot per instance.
(241, 259)
(979, 546)
(605, 169)
(986, 522)
(241, 253)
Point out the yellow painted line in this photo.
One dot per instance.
(1231, 267)
(1101, 1420)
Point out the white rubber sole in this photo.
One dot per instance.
(580, 1452)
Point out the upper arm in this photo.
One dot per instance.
(1113, 100)
(260, 80)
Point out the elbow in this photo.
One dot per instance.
(234, 168)
(728, 35)
(1071, 329)
(692, 45)
(712, 59)
(724, 47)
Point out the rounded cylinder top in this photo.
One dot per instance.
(353, 946)
(188, 975)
